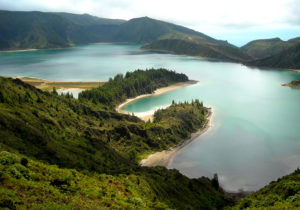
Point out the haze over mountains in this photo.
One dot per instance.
(40, 30)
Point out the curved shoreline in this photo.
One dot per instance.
(164, 157)
(120, 108)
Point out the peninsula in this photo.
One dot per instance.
(293, 84)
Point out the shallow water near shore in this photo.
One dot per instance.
(255, 137)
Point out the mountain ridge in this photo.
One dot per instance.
(263, 48)
(201, 49)
(286, 59)
(43, 30)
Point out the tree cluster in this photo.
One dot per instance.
(135, 83)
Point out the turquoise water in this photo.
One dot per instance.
(255, 134)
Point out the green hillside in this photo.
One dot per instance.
(286, 59)
(202, 49)
(30, 184)
(267, 47)
(24, 30)
(145, 29)
(97, 151)
(281, 194)
(60, 153)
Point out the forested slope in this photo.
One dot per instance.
(85, 141)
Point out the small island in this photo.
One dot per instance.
(293, 84)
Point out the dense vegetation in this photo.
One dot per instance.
(281, 194)
(202, 49)
(99, 150)
(267, 47)
(30, 184)
(23, 30)
(135, 83)
(288, 58)
(96, 150)
(293, 84)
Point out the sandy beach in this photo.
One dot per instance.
(24, 50)
(156, 92)
(164, 157)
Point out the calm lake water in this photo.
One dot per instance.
(255, 137)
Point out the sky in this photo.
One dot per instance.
(237, 21)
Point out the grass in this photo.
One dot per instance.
(49, 85)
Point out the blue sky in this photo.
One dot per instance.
(237, 21)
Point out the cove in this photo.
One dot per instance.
(255, 137)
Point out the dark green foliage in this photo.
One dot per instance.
(182, 118)
(202, 49)
(293, 84)
(54, 91)
(289, 59)
(57, 129)
(215, 182)
(135, 83)
(24, 162)
(281, 194)
(42, 186)
(66, 132)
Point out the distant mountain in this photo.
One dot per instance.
(86, 19)
(23, 30)
(288, 58)
(267, 47)
(145, 30)
(202, 49)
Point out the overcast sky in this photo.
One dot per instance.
(237, 21)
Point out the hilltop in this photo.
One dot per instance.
(285, 59)
(199, 48)
(263, 48)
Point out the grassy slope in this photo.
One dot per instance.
(202, 49)
(75, 135)
(281, 194)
